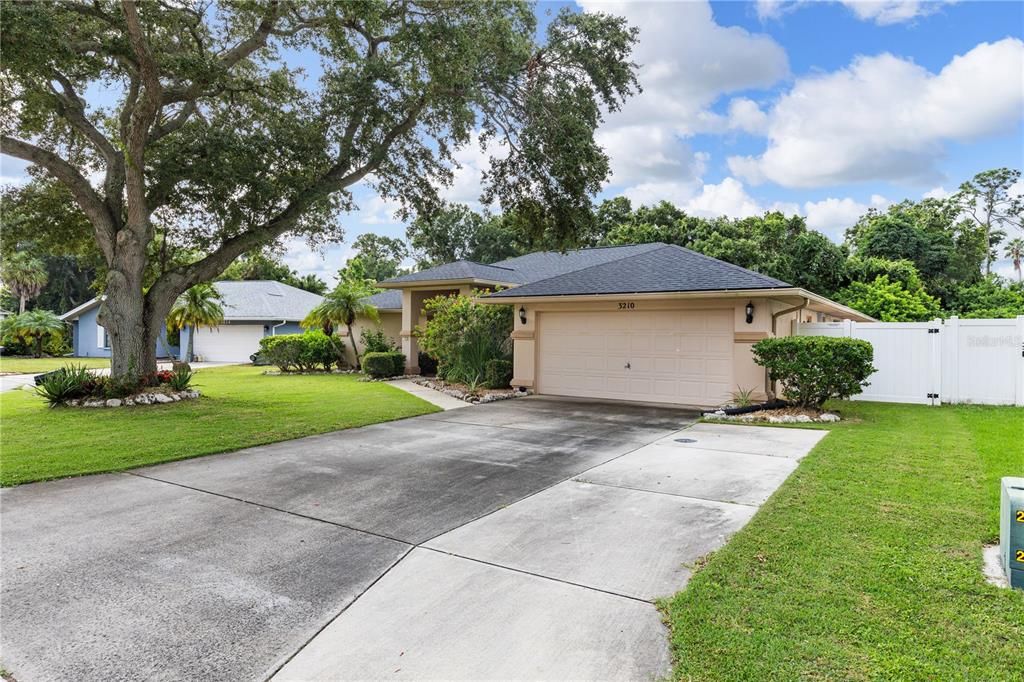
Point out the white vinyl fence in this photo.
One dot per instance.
(956, 361)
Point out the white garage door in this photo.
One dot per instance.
(670, 356)
(228, 343)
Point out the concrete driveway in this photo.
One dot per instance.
(522, 539)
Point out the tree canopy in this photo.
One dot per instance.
(202, 133)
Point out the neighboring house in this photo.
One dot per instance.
(90, 340)
(646, 323)
(252, 309)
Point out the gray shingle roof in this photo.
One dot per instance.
(461, 270)
(659, 269)
(545, 264)
(265, 300)
(390, 299)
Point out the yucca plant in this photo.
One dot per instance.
(64, 384)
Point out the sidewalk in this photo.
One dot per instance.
(445, 402)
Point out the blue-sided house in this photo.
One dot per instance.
(252, 310)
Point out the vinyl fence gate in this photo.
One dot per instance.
(956, 361)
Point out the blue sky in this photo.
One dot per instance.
(819, 108)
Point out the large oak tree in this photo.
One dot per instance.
(189, 125)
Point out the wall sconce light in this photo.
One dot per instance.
(750, 312)
(522, 314)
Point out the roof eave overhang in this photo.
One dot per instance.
(74, 313)
(445, 283)
(818, 303)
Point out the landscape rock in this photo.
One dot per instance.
(94, 403)
(828, 417)
(161, 398)
(113, 402)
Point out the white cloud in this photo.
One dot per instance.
(881, 12)
(832, 216)
(936, 193)
(746, 115)
(687, 62)
(886, 118)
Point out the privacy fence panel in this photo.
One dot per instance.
(956, 361)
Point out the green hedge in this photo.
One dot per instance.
(813, 369)
(378, 365)
(498, 373)
(303, 352)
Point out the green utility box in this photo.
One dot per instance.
(1011, 530)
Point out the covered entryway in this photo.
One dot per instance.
(665, 356)
(228, 342)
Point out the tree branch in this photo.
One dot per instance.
(88, 200)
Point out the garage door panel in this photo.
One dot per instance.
(680, 357)
(228, 343)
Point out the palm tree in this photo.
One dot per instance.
(311, 283)
(24, 275)
(1015, 251)
(197, 307)
(35, 327)
(347, 301)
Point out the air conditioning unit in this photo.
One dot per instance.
(1011, 530)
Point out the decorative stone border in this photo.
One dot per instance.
(471, 398)
(138, 399)
(824, 417)
(414, 377)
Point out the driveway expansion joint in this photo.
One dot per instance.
(270, 508)
(663, 492)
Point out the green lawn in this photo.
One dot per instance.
(866, 563)
(21, 365)
(240, 407)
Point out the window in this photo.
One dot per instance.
(102, 338)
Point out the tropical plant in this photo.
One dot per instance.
(343, 305)
(180, 379)
(197, 307)
(311, 283)
(463, 336)
(743, 397)
(64, 384)
(813, 369)
(498, 373)
(1015, 252)
(24, 275)
(33, 328)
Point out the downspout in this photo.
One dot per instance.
(273, 328)
(775, 319)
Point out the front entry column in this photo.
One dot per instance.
(410, 318)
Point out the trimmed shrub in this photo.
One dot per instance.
(813, 369)
(498, 373)
(302, 352)
(380, 365)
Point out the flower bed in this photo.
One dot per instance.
(462, 392)
(78, 386)
(785, 415)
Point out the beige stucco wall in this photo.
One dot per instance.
(746, 373)
(390, 323)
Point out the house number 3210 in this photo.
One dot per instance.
(627, 305)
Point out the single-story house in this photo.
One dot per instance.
(252, 309)
(90, 340)
(651, 323)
